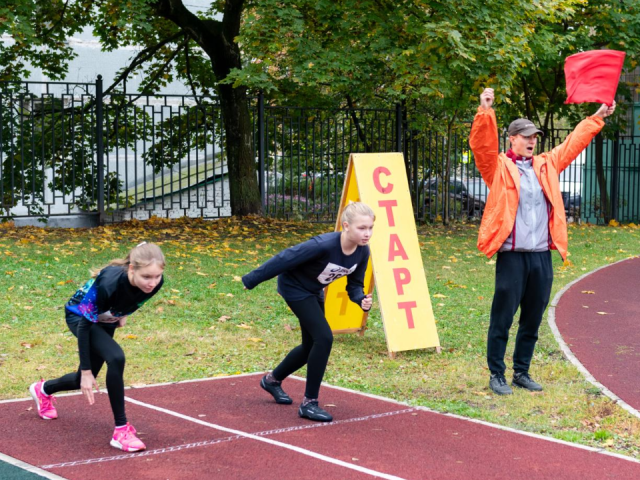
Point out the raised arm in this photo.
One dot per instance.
(565, 153)
(283, 261)
(483, 139)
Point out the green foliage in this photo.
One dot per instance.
(434, 55)
(587, 25)
(38, 32)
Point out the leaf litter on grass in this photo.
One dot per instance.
(205, 260)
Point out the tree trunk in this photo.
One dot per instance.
(602, 181)
(217, 39)
(243, 184)
(447, 175)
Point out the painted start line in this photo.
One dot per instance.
(229, 428)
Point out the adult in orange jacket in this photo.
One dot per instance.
(523, 221)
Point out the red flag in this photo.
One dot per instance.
(593, 76)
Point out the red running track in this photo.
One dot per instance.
(228, 428)
(598, 317)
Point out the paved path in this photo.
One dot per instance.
(228, 428)
(596, 319)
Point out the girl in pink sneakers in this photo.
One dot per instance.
(93, 314)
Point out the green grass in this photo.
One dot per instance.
(204, 324)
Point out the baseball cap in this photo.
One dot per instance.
(523, 126)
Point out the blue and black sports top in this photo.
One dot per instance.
(110, 294)
(305, 269)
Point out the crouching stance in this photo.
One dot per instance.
(303, 272)
(93, 314)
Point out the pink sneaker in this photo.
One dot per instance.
(44, 403)
(125, 439)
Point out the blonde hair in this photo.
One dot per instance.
(356, 208)
(140, 256)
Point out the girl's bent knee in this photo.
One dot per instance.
(117, 361)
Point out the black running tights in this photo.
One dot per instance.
(103, 349)
(314, 351)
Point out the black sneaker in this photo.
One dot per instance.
(523, 380)
(313, 412)
(276, 391)
(498, 384)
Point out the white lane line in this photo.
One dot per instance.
(337, 422)
(146, 453)
(29, 468)
(137, 387)
(551, 320)
(205, 443)
(396, 402)
(538, 436)
(186, 446)
(269, 441)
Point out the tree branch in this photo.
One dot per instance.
(232, 18)
(163, 67)
(542, 82)
(55, 25)
(361, 134)
(208, 34)
(142, 57)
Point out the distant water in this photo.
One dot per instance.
(91, 61)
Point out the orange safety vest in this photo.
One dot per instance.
(503, 179)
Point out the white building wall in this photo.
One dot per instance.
(208, 201)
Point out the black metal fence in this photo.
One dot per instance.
(69, 149)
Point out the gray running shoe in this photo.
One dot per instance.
(523, 380)
(279, 395)
(313, 412)
(498, 384)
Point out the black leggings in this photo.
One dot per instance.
(317, 339)
(103, 349)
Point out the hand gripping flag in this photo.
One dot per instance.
(593, 76)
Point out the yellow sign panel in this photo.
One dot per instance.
(380, 181)
(343, 315)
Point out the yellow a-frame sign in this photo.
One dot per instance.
(380, 181)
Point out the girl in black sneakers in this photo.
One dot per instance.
(303, 272)
(93, 314)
